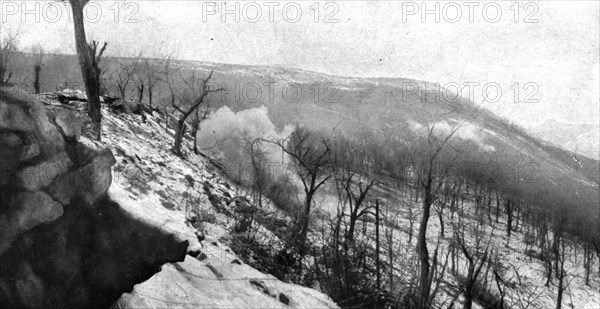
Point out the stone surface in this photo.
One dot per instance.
(69, 124)
(10, 151)
(14, 118)
(35, 177)
(193, 284)
(10, 140)
(34, 208)
(63, 242)
(72, 238)
(88, 182)
(26, 210)
(29, 152)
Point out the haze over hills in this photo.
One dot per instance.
(388, 107)
(582, 138)
(394, 110)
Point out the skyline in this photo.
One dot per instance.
(558, 54)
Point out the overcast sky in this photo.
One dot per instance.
(554, 56)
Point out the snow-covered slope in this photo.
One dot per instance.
(160, 188)
(152, 183)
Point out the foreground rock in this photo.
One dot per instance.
(211, 276)
(211, 283)
(71, 237)
(64, 242)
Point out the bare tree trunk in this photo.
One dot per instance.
(469, 287)
(416, 191)
(350, 235)
(178, 136)
(122, 91)
(561, 275)
(411, 222)
(150, 98)
(305, 221)
(440, 214)
(556, 251)
(196, 151)
(140, 93)
(377, 243)
(391, 258)
(88, 64)
(497, 206)
(489, 206)
(36, 81)
(509, 215)
(587, 262)
(423, 253)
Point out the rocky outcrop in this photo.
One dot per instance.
(64, 242)
(71, 236)
(217, 283)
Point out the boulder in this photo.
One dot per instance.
(69, 125)
(64, 242)
(194, 284)
(26, 210)
(126, 106)
(71, 95)
(42, 174)
(11, 147)
(14, 118)
(88, 182)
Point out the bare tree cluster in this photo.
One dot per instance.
(8, 47)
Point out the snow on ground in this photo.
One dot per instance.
(148, 174)
(527, 274)
(158, 187)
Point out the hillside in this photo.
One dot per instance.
(389, 110)
(146, 173)
(385, 112)
(151, 174)
(89, 224)
(385, 106)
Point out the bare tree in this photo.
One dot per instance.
(8, 47)
(311, 157)
(356, 194)
(430, 182)
(476, 252)
(390, 225)
(37, 52)
(259, 181)
(561, 272)
(124, 75)
(139, 83)
(149, 73)
(89, 57)
(188, 101)
(200, 115)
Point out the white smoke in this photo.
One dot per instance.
(467, 132)
(228, 136)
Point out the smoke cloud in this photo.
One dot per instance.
(228, 136)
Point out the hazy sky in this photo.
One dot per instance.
(554, 56)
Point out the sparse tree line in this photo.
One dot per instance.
(356, 261)
(354, 255)
(8, 47)
(134, 81)
(145, 74)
